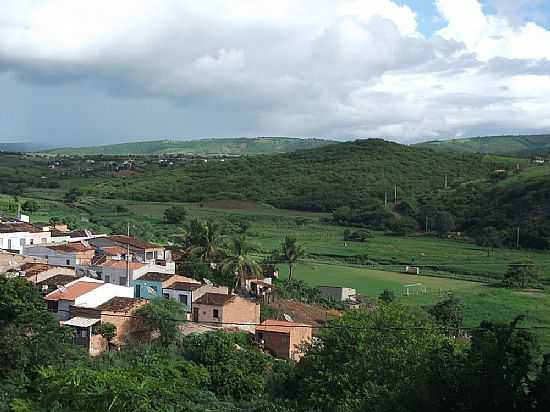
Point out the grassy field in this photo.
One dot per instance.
(481, 301)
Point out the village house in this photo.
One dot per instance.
(283, 338)
(12, 261)
(118, 311)
(60, 300)
(122, 272)
(187, 292)
(15, 235)
(140, 250)
(38, 272)
(84, 293)
(70, 254)
(53, 283)
(151, 284)
(229, 311)
(338, 293)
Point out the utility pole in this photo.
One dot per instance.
(128, 258)
(446, 185)
(517, 239)
(395, 195)
(385, 199)
(426, 224)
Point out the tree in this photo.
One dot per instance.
(368, 360)
(163, 315)
(72, 195)
(387, 296)
(541, 394)
(444, 223)
(30, 206)
(236, 369)
(204, 240)
(448, 313)
(291, 253)
(30, 338)
(403, 226)
(175, 215)
(107, 330)
(521, 274)
(239, 262)
(489, 238)
(360, 235)
(498, 367)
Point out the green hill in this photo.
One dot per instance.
(509, 145)
(204, 147)
(344, 174)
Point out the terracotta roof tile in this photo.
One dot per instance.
(185, 286)
(155, 277)
(215, 299)
(73, 291)
(120, 304)
(71, 248)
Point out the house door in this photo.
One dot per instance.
(137, 293)
(195, 314)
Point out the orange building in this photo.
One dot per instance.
(283, 338)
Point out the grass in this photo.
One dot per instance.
(481, 300)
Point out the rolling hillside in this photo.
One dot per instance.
(509, 145)
(344, 174)
(205, 147)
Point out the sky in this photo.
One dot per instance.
(77, 73)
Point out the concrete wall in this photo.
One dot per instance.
(143, 286)
(17, 241)
(287, 345)
(339, 294)
(51, 273)
(12, 261)
(241, 313)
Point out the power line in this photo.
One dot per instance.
(376, 328)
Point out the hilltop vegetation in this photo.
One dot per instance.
(346, 174)
(525, 145)
(204, 147)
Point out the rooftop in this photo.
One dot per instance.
(71, 248)
(215, 299)
(16, 226)
(132, 241)
(121, 264)
(80, 322)
(32, 268)
(155, 277)
(280, 326)
(186, 286)
(72, 291)
(57, 280)
(120, 304)
(114, 250)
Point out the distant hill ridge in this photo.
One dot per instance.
(226, 146)
(522, 145)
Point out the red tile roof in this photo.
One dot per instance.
(73, 291)
(32, 269)
(120, 304)
(185, 286)
(215, 299)
(114, 250)
(121, 264)
(280, 326)
(155, 277)
(71, 248)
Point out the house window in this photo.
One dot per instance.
(32, 241)
(166, 296)
(107, 279)
(183, 299)
(43, 240)
(53, 305)
(216, 314)
(149, 256)
(68, 262)
(137, 292)
(123, 280)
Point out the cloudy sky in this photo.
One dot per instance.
(80, 72)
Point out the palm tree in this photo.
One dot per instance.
(204, 240)
(291, 253)
(239, 262)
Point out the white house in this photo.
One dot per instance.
(15, 235)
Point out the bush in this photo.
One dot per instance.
(175, 215)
